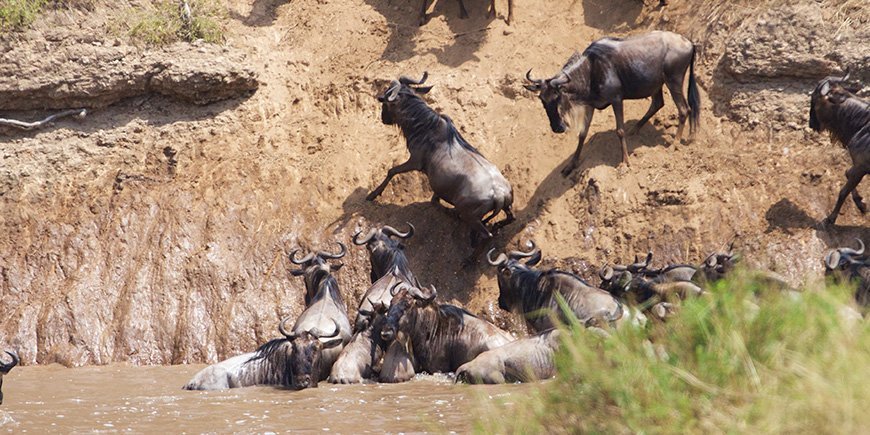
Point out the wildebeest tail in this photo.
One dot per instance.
(694, 97)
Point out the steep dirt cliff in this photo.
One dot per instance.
(156, 231)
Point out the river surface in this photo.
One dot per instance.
(125, 398)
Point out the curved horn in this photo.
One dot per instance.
(394, 290)
(304, 260)
(393, 92)
(365, 239)
(289, 335)
(832, 260)
(711, 260)
(529, 78)
(320, 334)
(409, 81)
(390, 231)
(500, 260)
(846, 76)
(513, 255)
(605, 273)
(850, 251)
(6, 367)
(341, 252)
(559, 80)
(417, 293)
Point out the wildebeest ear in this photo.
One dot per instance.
(335, 267)
(423, 90)
(297, 272)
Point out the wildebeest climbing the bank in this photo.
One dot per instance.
(834, 108)
(458, 173)
(612, 70)
(5, 368)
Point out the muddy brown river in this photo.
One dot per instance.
(125, 398)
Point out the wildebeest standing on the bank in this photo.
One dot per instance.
(5, 368)
(835, 109)
(324, 304)
(532, 293)
(464, 13)
(612, 70)
(290, 362)
(440, 337)
(457, 172)
(523, 360)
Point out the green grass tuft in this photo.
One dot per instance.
(162, 22)
(18, 14)
(731, 362)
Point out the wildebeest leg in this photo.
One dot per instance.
(675, 86)
(510, 18)
(492, 8)
(507, 220)
(586, 119)
(859, 201)
(658, 101)
(423, 12)
(853, 177)
(620, 130)
(479, 238)
(401, 169)
(462, 12)
(436, 201)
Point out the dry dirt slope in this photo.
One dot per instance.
(109, 252)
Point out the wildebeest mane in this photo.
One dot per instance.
(270, 347)
(331, 285)
(852, 116)
(458, 313)
(395, 259)
(423, 123)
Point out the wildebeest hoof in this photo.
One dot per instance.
(566, 172)
(827, 222)
(371, 196)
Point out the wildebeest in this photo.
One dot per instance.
(533, 293)
(834, 108)
(522, 360)
(612, 70)
(439, 337)
(464, 13)
(324, 304)
(389, 266)
(359, 358)
(851, 265)
(386, 253)
(457, 172)
(5, 368)
(293, 361)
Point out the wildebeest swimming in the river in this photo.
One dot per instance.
(612, 70)
(5, 368)
(325, 305)
(292, 362)
(834, 108)
(523, 360)
(439, 337)
(359, 359)
(457, 172)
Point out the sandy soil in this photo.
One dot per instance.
(156, 232)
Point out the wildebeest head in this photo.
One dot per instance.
(552, 97)
(718, 264)
(841, 258)
(830, 92)
(398, 91)
(315, 268)
(508, 265)
(382, 247)
(307, 348)
(4, 369)
(617, 279)
(406, 300)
